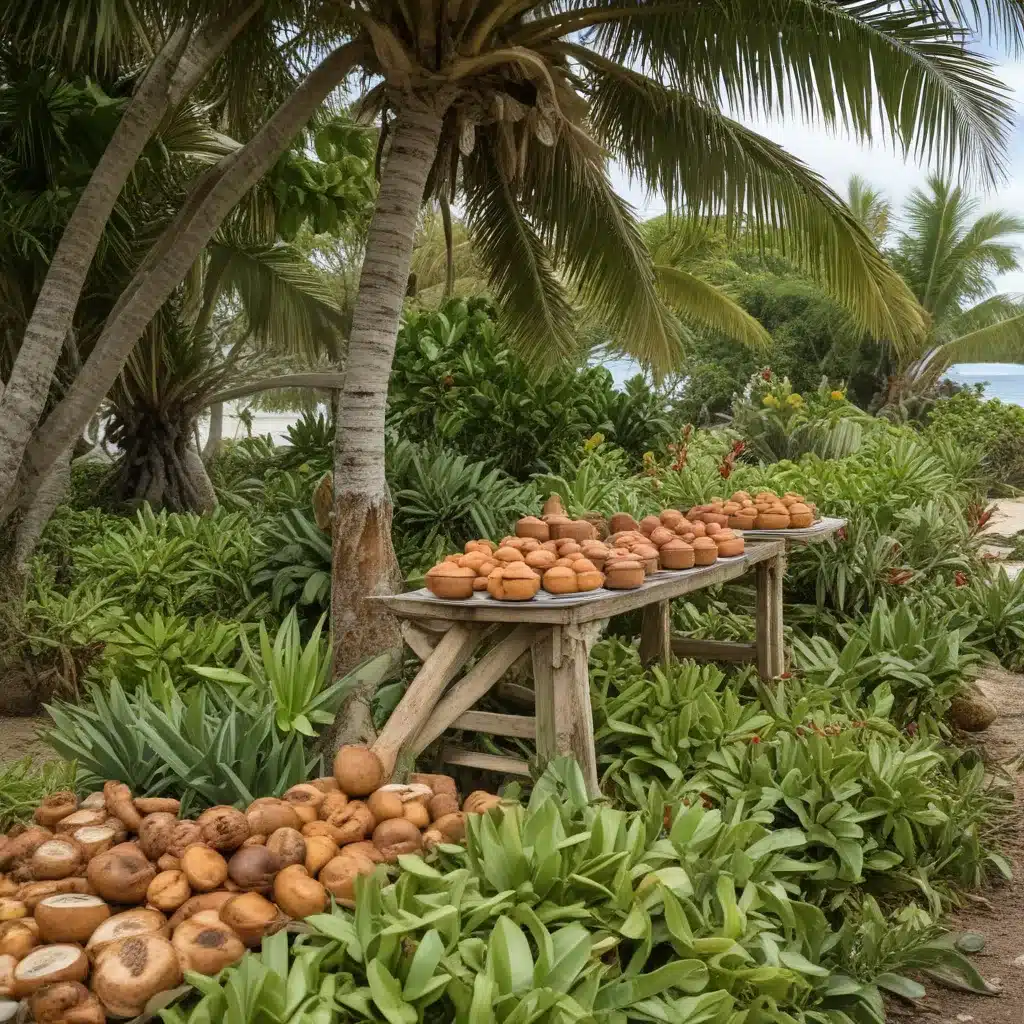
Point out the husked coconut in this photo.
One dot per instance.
(48, 964)
(339, 876)
(131, 971)
(297, 894)
(253, 868)
(155, 833)
(140, 921)
(205, 944)
(121, 875)
(250, 916)
(358, 770)
(396, 837)
(70, 917)
(66, 1002)
(287, 845)
(94, 839)
(224, 828)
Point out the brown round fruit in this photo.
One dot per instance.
(319, 850)
(358, 771)
(131, 971)
(204, 868)
(253, 868)
(266, 815)
(140, 921)
(121, 875)
(196, 905)
(158, 805)
(452, 827)
(70, 917)
(65, 1002)
(18, 938)
(417, 814)
(205, 944)
(94, 839)
(396, 837)
(57, 858)
(251, 917)
(46, 965)
(297, 894)
(384, 805)
(442, 804)
(186, 834)
(54, 807)
(339, 876)
(288, 846)
(155, 834)
(224, 828)
(168, 891)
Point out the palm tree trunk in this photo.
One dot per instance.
(172, 255)
(216, 434)
(364, 562)
(175, 71)
(37, 514)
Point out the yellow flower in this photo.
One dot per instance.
(794, 400)
(838, 395)
(771, 401)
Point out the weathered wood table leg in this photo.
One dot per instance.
(768, 639)
(655, 634)
(561, 679)
(440, 668)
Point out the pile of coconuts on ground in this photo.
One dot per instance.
(105, 902)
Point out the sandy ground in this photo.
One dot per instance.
(1007, 519)
(18, 738)
(997, 914)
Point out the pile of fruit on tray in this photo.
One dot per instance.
(120, 893)
(762, 511)
(565, 556)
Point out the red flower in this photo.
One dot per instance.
(755, 739)
(912, 729)
(898, 577)
(766, 374)
(786, 675)
(841, 533)
(960, 579)
(448, 381)
(725, 470)
(738, 447)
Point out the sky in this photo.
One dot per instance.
(837, 157)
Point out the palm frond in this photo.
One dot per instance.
(895, 69)
(595, 241)
(738, 174)
(287, 302)
(709, 307)
(998, 342)
(534, 309)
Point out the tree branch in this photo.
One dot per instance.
(326, 380)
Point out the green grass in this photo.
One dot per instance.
(24, 783)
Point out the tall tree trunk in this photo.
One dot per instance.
(216, 434)
(54, 487)
(175, 71)
(364, 562)
(173, 254)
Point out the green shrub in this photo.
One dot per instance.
(993, 427)
(238, 735)
(297, 567)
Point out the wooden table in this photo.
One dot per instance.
(558, 631)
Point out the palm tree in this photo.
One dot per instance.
(950, 254)
(508, 108)
(871, 208)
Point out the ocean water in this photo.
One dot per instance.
(1004, 381)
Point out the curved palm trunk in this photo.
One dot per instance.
(216, 434)
(175, 71)
(169, 260)
(364, 562)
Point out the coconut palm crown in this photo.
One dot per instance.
(536, 96)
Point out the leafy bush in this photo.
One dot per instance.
(565, 910)
(455, 383)
(921, 652)
(996, 604)
(174, 563)
(237, 736)
(297, 568)
(988, 425)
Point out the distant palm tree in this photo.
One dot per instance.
(951, 254)
(871, 208)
